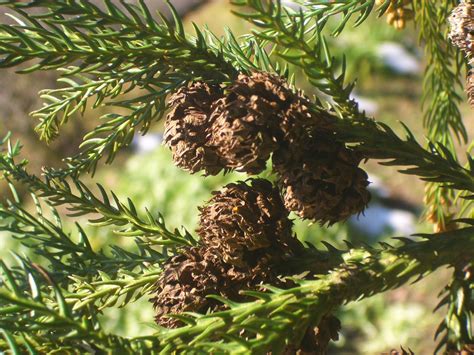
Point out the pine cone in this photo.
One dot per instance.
(291, 110)
(462, 27)
(298, 121)
(321, 179)
(188, 126)
(199, 271)
(257, 113)
(245, 118)
(247, 223)
(242, 138)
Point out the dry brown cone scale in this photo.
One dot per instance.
(188, 127)
(247, 222)
(321, 180)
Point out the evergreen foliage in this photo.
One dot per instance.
(101, 53)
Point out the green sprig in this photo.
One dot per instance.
(36, 322)
(112, 211)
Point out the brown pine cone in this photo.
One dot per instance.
(298, 121)
(246, 223)
(198, 272)
(245, 120)
(241, 133)
(462, 27)
(188, 127)
(320, 179)
(291, 110)
(257, 113)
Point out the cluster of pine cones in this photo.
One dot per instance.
(462, 36)
(213, 129)
(245, 230)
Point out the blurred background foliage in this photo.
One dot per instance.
(388, 66)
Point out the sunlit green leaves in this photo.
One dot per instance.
(39, 319)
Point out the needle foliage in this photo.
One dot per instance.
(51, 301)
